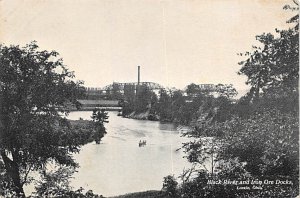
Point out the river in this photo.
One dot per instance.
(118, 165)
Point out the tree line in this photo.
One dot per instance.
(173, 105)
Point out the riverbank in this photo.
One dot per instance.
(146, 194)
(142, 116)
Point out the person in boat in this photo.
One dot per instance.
(142, 143)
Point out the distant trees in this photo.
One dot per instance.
(174, 106)
(35, 86)
(183, 107)
(178, 101)
(193, 89)
(163, 107)
(129, 98)
(115, 92)
(142, 99)
(138, 99)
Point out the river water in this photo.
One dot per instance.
(119, 166)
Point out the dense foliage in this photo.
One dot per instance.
(256, 138)
(183, 107)
(99, 118)
(35, 88)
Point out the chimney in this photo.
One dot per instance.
(138, 75)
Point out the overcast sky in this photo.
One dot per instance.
(176, 42)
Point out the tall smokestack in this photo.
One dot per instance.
(138, 75)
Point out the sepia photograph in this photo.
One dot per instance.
(149, 98)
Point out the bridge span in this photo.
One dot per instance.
(116, 87)
(120, 86)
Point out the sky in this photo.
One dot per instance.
(176, 42)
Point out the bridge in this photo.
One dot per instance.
(103, 92)
(117, 90)
(96, 96)
(149, 85)
(116, 86)
(108, 105)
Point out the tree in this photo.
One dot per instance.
(267, 145)
(267, 142)
(116, 92)
(129, 99)
(170, 186)
(275, 65)
(55, 183)
(143, 98)
(164, 106)
(99, 118)
(192, 89)
(227, 91)
(177, 102)
(273, 71)
(34, 88)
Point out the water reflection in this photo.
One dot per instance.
(167, 127)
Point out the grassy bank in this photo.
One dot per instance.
(146, 194)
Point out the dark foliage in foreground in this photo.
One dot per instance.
(35, 88)
(255, 139)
